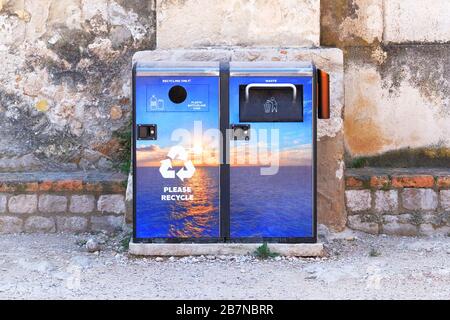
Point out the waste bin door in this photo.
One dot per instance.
(272, 156)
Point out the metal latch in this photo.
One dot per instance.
(147, 132)
(240, 132)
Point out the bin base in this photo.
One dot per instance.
(197, 249)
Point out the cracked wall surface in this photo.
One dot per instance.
(65, 80)
(397, 80)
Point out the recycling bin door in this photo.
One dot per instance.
(176, 152)
(272, 152)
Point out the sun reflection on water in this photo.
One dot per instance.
(190, 219)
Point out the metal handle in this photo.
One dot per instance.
(271, 85)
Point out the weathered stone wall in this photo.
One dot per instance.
(61, 202)
(65, 80)
(404, 202)
(397, 83)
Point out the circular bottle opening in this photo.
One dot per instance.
(177, 94)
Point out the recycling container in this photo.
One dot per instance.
(226, 152)
(176, 178)
(273, 111)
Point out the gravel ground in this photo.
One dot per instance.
(358, 266)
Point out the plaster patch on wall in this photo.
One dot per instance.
(378, 120)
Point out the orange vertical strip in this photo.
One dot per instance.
(323, 80)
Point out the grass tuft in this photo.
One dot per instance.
(263, 252)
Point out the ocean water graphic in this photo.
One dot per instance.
(261, 206)
(158, 218)
(271, 206)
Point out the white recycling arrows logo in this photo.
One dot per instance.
(187, 172)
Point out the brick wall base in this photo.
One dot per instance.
(71, 202)
(404, 202)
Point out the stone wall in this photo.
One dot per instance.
(397, 87)
(58, 202)
(65, 85)
(65, 80)
(406, 202)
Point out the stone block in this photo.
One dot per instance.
(416, 21)
(365, 223)
(443, 182)
(113, 203)
(38, 224)
(445, 199)
(358, 200)
(22, 204)
(202, 23)
(427, 229)
(82, 204)
(204, 249)
(68, 186)
(52, 203)
(107, 223)
(394, 225)
(354, 182)
(418, 181)
(3, 202)
(72, 224)
(442, 231)
(420, 199)
(386, 201)
(379, 181)
(10, 225)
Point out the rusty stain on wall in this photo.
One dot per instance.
(397, 95)
(360, 114)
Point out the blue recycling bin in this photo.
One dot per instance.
(226, 152)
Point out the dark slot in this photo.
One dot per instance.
(271, 104)
(177, 94)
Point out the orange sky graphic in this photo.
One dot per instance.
(240, 155)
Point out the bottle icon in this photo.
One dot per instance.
(161, 104)
(153, 104)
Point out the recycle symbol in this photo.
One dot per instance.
(177, 152)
